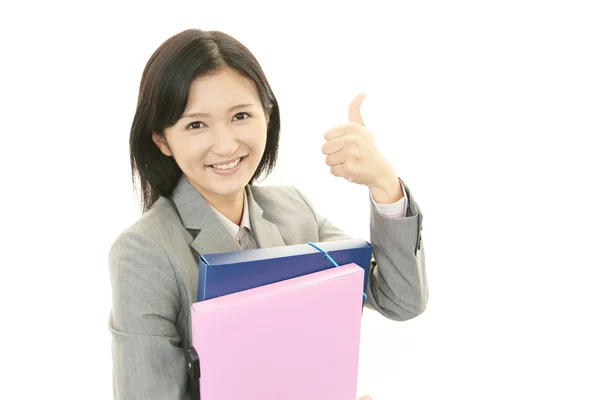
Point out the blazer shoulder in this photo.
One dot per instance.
(157, 226)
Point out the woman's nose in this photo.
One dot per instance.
(225, 143)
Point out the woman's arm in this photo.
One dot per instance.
(399, 288)
(148, 358)
(397, 282)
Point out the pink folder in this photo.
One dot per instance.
(290, 340)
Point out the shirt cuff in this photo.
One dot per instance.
(395, 210)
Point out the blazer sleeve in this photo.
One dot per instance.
(398, 286)
(148, 361)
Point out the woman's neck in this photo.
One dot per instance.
(232, 207)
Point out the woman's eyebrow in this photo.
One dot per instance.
(198, 114)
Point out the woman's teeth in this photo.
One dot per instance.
(227, 166)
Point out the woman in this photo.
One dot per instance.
(205, 128)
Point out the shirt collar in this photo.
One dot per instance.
(245, 223)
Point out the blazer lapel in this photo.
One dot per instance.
(211, 236)
(198, 217)
(265, 232)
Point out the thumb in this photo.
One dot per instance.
(354, 109)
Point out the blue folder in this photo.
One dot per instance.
(225, 273)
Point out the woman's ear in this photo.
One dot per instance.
(161, 143)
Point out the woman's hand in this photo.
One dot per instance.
(352, 154)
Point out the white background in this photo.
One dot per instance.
(488, 110)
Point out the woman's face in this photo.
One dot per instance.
(220, 139)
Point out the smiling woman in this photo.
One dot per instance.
(205, 128)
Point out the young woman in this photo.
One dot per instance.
(205, 128)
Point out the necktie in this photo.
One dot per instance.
(247, 240)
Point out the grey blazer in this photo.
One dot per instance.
(154, 270)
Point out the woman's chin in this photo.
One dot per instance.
(228, 189)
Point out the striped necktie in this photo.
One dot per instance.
(247, 240)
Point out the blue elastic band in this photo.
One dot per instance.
(330, 259)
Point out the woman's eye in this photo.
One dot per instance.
(242, 113)
(195, 125)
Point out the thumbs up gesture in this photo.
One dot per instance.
(352, 154)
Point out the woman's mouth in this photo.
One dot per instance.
(227, 168)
